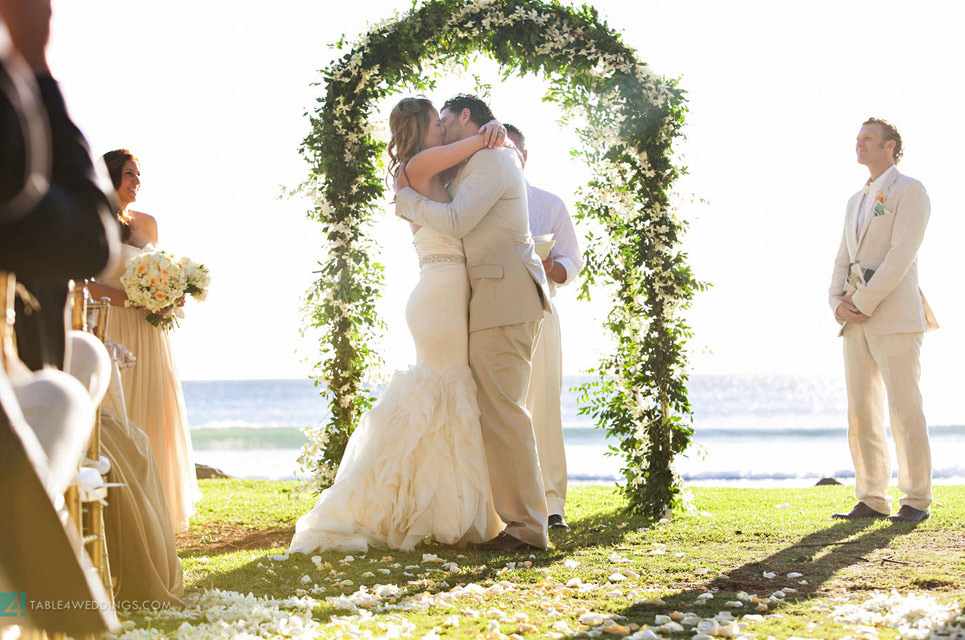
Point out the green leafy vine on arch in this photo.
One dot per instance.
(633, 118)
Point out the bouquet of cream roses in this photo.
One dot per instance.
(198, 277)
(156, 282)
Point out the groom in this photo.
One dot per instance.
(875, 297)
(509, 295)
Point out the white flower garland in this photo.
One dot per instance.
(627, 148)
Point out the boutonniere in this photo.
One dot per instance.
(880, 197)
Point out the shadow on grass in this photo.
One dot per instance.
(819, 556)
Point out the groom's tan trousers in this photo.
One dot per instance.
(501, 362)
(543, 402)
(879, 366)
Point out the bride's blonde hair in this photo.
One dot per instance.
(408, 124)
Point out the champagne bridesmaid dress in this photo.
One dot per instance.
(155, 402)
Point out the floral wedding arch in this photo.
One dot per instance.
(632, 118)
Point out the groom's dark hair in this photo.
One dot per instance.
(479, 111)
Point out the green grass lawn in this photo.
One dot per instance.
(722, 546)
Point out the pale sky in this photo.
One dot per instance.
(211, 96)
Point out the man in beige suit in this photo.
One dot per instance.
(509, 295)
(875, 297)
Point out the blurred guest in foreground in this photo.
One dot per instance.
(55, 222)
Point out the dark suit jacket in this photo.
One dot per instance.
(69, 234)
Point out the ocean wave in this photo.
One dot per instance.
(241, 424)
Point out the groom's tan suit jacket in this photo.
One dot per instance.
(887, 242)
(489, 213)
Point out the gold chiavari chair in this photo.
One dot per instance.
(98, 320)
(8, 342)
(88, 516)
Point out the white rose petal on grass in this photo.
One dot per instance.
(708, 626)
(673, 627)
(591, 619)
(701, 571)
(734, 604)
(305, 579)
(451, 621)
(770, 575)
(705, 596)
(384, 572)
(616, 593)
(645, 634)
(794, 574)
(564, 628)
(571, 564)
(783, 506)
(617, 577)
(660, 620)
(368, 574)
(279, 558)
(316, 559)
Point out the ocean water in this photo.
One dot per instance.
(749, 430)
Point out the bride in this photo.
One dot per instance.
(415, 466)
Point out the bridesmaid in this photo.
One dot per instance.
(152, 389)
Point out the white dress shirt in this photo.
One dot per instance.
(870, 192)
(548, 214)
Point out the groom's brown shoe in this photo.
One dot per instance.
(861, 510)
(909, 514)
(505, 542)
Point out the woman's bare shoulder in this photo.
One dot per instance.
(144, 218)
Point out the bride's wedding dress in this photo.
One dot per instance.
(415, 466)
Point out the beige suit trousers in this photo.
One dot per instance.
(501, 362)
(877, 367)
(543, 402)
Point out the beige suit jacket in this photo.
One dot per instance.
(489, 213)
(888, 243)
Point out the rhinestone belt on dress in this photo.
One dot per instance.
(441, 257)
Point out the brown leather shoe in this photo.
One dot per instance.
(861, 510)
(505, 542)
(909, 514)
